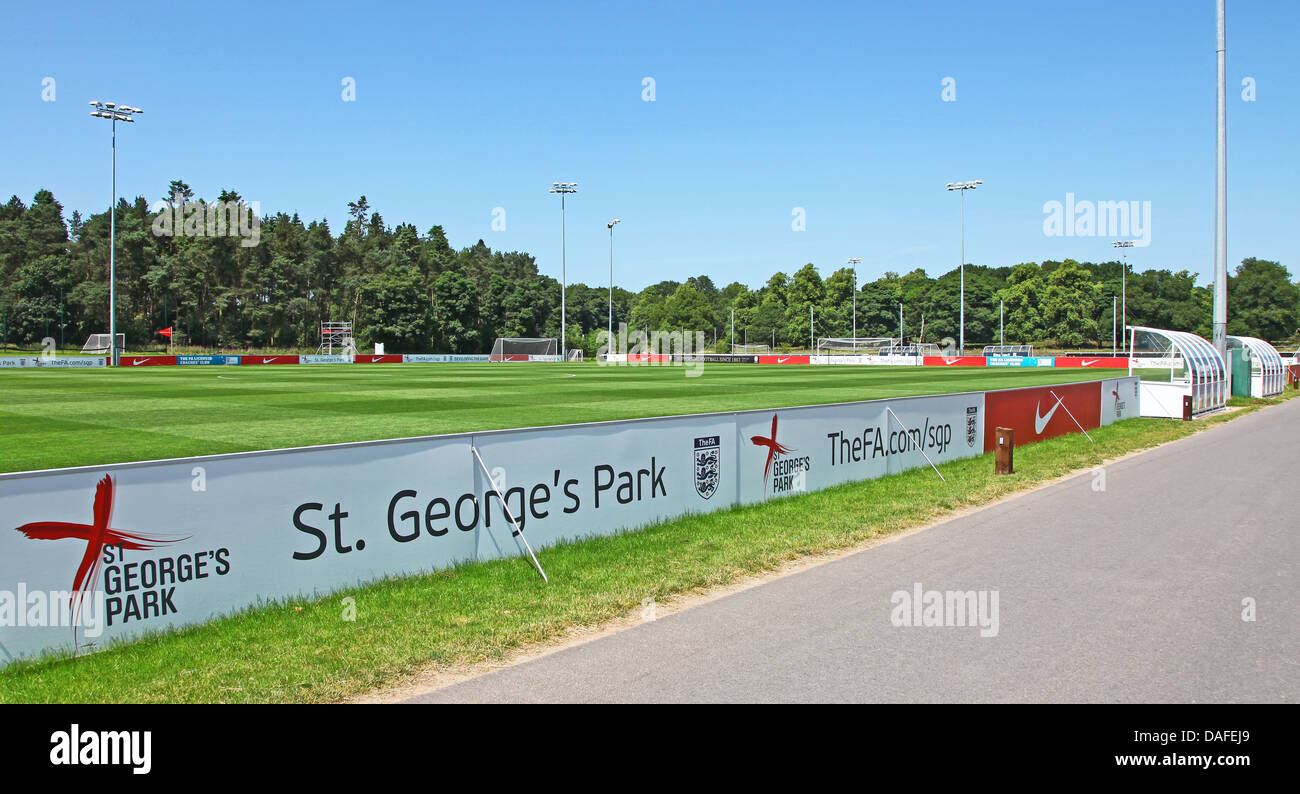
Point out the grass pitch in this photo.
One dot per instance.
(57, 418)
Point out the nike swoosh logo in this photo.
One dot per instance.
(1089, 363)
(1041, 421)
(137, 362)
(782, 360)
(268, 360)
(951, 361)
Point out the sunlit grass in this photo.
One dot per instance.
(56, 418)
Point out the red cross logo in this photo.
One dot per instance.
(772, 447)
(97, 535)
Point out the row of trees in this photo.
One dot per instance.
(414, 292)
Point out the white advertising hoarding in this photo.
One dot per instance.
(1120, 399)
(53, 362)
(442, 358)
(127, 548)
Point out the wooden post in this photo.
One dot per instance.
(1004, 452)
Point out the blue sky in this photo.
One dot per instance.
(759, 108)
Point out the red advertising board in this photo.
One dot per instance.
(1094, 362)
(785, 359)
(649, 358)
(244, 361)
(954, 361)
(1041, 412)
(147, 361)
(389, 358)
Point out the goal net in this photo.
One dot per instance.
(98, 343)
(525, 349)
(860, 345)
(575, 355)
(752, 349)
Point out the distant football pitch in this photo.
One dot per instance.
(56, 418)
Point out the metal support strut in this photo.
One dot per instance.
(506, 509)
(1061, 403)
(920, 445)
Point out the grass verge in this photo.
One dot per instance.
(305, 651)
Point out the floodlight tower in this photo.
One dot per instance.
(962, 187)
(853, 262)
(564, 189)
(1124, 244)
(611, 226)
(114, 113)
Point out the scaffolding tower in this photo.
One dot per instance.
(336, 336)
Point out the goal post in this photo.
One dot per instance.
(855, 345)
(522, 348)
(98, 344)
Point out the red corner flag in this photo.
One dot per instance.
(167, 332)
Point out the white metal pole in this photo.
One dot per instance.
(1002, 328)
(733, 332)
(611, 284)
(1114, 319)
(1221, 192)
(113, 358)
(1130, 353)
(564, 287)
